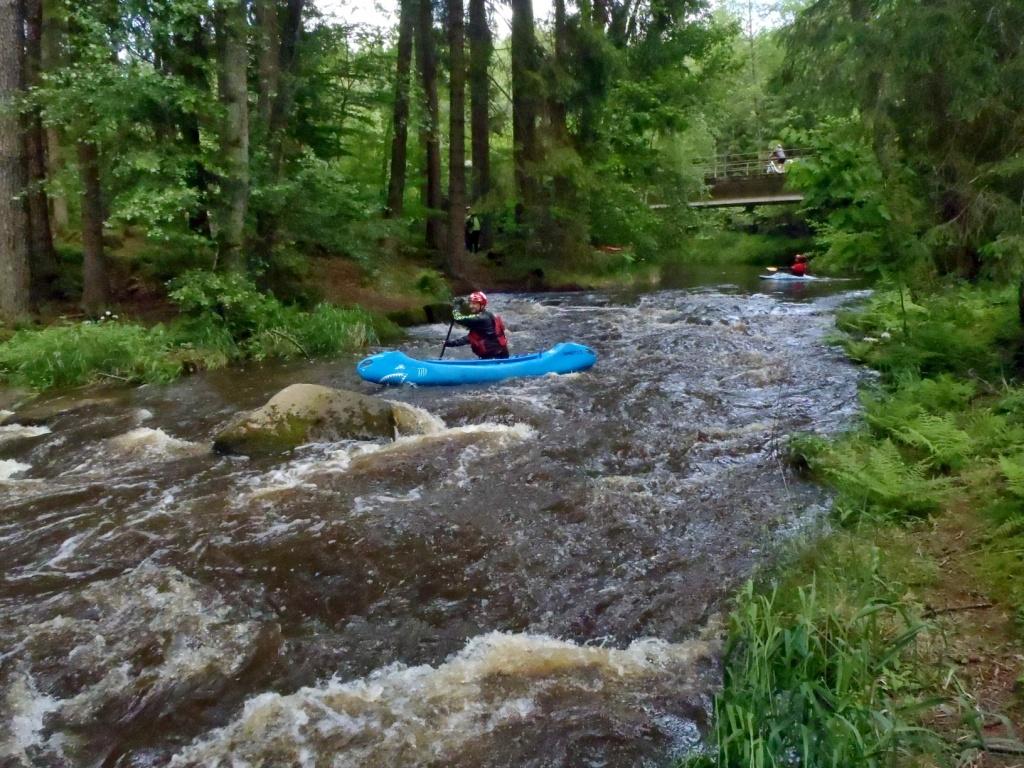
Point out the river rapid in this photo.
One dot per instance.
(535, 582)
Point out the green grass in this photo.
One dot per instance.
(830, 663)
(75, 353)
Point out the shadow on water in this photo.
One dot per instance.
(531, 584)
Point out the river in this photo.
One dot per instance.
(538, 582)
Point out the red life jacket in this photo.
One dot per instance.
(478, 341)
(800, 268)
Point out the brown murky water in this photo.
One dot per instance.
(529, 585)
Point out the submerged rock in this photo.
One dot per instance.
(44, 411)
(304, 413)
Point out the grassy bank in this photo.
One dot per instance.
(222, 319)
(894, 639)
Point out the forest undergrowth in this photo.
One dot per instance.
(224, 319)
(893, 637)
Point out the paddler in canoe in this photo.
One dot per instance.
(799, 267)
(486, 335)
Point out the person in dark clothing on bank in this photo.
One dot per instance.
(486, 334)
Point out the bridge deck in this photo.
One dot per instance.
(736, 202)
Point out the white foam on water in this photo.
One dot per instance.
(402, 715)
(11, 432)
(148, 443)
(10, 467)
(4, 414)
(363, 504)
(67, 548)
(195, 634)
(26, 709)
(300, 473)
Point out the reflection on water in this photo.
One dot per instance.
(528, 584)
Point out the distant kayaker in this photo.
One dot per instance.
(799, 267)
(486, 330)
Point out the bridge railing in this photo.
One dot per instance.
(747, 165)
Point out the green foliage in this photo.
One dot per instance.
(823, 674)
(916, 79)
(77, 353)
(1013, 471)
(957, 330)
(225, 319)
(227, 300)
(876, 479)
(866, 221)
(720, 245)
(227, 309)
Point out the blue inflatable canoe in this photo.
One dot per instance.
(398, 368)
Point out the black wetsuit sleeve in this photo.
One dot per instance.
(458, 342)
(482, 323)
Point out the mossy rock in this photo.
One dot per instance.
(304, 413)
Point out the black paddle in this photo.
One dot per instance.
(445, 345)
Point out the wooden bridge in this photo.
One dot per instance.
(748, 180)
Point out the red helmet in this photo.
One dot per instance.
(478, 297)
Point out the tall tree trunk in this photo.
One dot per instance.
(524, 99)
(267, 224)
(94, 267)
(59, 215)
(269, 58)
(191, 49)
(14, 253)
(291, 31)
(399, 141)
(480, 47)
(426, 56)
(43, 258)
(53, 30)
(456, 137)
(231, 31)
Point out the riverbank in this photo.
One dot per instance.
(896, 636)
(155, 332)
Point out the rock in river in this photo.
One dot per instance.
(304, 413)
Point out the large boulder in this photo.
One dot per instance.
(304, 413)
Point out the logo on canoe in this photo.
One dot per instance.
(421, 372)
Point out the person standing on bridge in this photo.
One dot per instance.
(777, 161)
(486, 334)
